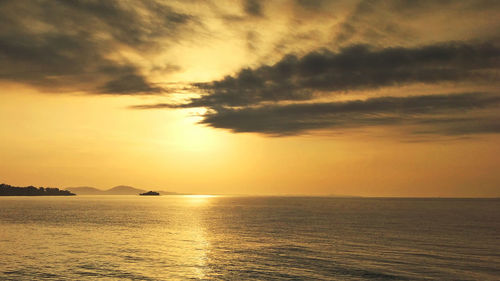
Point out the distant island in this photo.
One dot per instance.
(8, 190)
(150, 193)
(117, 190)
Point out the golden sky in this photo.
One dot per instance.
(370, 98)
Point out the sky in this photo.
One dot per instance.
(363, 98)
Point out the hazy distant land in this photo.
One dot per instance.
(8, 190)
(117, 190)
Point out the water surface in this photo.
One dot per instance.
(241, 238)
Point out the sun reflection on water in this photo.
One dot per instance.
(194, 245)
(198, 199)
(200, 196)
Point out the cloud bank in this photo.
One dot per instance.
(352, 68)
(430, 110)
(258, 100)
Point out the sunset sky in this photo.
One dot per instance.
(369, 98)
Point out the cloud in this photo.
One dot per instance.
(358, 67)
(282, 99)
(156, 106)
(438, 114)
(129, 84)
(310, 4)
(119, 47)
(253, 7)
(76, 45)
(403, 22)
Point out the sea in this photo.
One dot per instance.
(248, 238)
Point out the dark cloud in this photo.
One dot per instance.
(441, 114)
(390, 22)
(156, 106)
(253, 7)
(351, 68)
(129, 84)
(310, 4)
(72, 45)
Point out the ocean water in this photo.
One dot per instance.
(245, 238)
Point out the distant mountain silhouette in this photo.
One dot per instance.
(124, 190)
(8, 190)
(85, 190)
(117, 190)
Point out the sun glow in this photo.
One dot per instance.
(200, 196)
(199, 199)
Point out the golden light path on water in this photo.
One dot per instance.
(195, 253)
